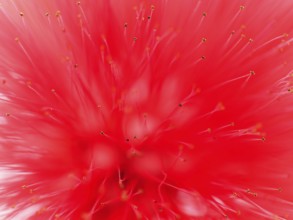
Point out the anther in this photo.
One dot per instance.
(248, 191)
(204, 14)
(235, 194)
(251, 72)
(58, 13)
(242, 7)
(124, 195)
(220, 106)
(203, 40)
(21, 14)
(29, 83)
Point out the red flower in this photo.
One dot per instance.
(144, 109)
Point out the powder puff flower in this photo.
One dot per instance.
(146, 109)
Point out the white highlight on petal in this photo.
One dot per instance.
(191, 204)
(27, 212)
(138, 92)
(104, 156)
